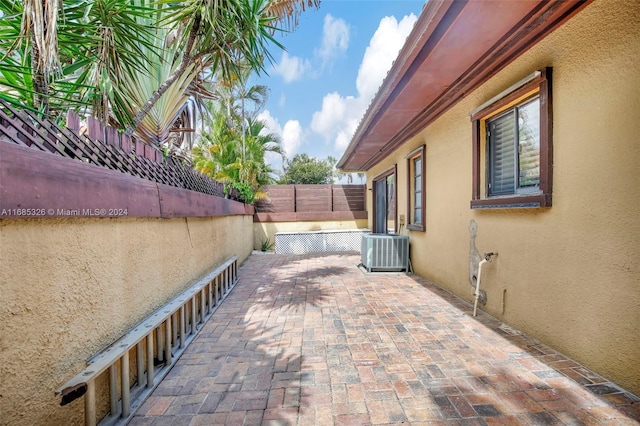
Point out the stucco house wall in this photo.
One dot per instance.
(567, 275)
(72, 286)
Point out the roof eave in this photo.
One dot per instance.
(431, 15)
(440, 28)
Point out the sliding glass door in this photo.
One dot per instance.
(384, 200)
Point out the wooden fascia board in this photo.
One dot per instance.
(541, 21)
(431, 16)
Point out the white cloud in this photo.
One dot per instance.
(272, 126)
(271, 123)
(291, 68)
(328, 118)
(338, 119)
(340, 115)
(291, 136)
(381, 52)
(335, 38)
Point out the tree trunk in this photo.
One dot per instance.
(40, 82)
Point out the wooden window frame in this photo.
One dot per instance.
(418, 153)
(391, 171)
(540, 82)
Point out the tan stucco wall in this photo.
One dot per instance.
(267, 230)
(569, 274)
(70, 287)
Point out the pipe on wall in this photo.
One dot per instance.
(487, 258)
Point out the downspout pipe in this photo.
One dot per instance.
(487, 258)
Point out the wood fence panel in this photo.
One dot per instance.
(26, 129)
(349, 198)
(73, 121)
(95, 129)
(126, 144)
(316, 200)
(113, 138)
(313, 198)
(280, 199)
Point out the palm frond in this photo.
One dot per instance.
(288, 11)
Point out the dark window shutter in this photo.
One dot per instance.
(503, 155)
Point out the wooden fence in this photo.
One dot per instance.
(103, 147)
(311, 202)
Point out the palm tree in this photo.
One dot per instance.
(174, 115)
(61, 53)
(125, 34)
(57, 56)
(237, 97)
(224, 154)
(39, 29)
(258, 143)
(217, 148)
(219, 34)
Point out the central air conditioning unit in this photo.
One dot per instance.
(385, 252)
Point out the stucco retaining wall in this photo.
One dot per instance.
(71, 286)
(567, 275)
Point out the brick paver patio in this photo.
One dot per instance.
(311, 340)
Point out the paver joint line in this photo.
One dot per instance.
(310, 339)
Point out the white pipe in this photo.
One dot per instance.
(477, 292)
(487, 258)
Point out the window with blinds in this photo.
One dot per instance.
(514, 150)
(416, 196)
(417, 184)
(512, 156)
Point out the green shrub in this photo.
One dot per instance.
(266, 245)
(245, 193)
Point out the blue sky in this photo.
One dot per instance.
(334, 62)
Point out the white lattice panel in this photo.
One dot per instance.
(319, 241)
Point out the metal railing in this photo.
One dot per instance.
(155, 344)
